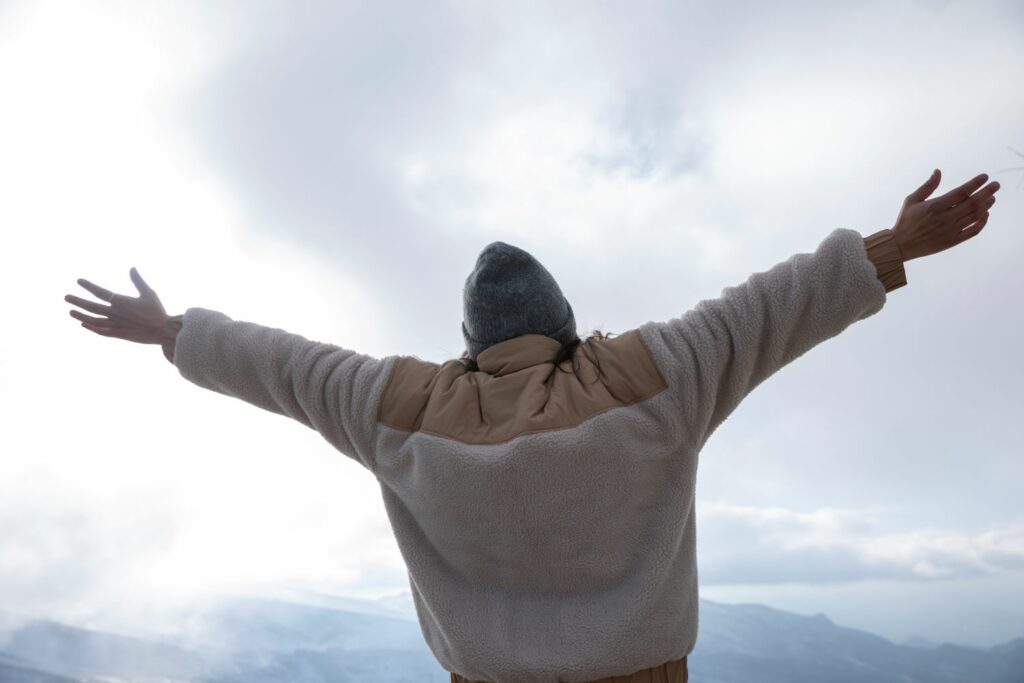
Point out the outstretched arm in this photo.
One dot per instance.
(332, 390)
(723, 348)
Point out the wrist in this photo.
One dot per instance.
(169, 334)
(895, 235)
(171, 327)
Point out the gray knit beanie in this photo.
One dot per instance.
(509, 294)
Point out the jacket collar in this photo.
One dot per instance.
(517, 353)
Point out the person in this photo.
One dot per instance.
(543, 501)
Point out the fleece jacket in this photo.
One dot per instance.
(546, 513)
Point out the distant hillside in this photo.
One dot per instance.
(15, 671)
(59, 649)
(348, 640)
(754, 642)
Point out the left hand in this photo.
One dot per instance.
(140, 319)
(928, 226)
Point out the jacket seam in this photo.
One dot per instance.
(650, 357)
(384, 392)
(541, 430)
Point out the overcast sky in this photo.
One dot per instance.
(335, 168)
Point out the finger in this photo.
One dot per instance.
(921, 193)
(140, 284)
(969, 232)
(960, 194)
(966, 220)
(99, 330)
(101, 293)
(103, 322)
(90, 306)
(982, 200)
(93, 307)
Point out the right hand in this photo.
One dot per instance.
(927, 227)
(140, 319)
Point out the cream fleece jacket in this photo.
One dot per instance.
(628, 600)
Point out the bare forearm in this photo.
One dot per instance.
(169, 335)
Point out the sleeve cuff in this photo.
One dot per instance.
(885, 255)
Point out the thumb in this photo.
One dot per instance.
(921, 193)
(140, 284)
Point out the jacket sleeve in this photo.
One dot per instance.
(332, 390)
(719, 351)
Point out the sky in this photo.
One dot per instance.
(335, 168)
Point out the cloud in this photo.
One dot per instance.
(400, 143)
(766, 545)
(307, 123)
(69, 559)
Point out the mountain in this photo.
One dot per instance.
(68, 651)
(257, 627)
(399, 605)
(16, 671)
(349, 640)
(923, 643)
(754, 642)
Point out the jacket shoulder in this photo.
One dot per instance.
(475, 407)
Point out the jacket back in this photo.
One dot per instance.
(546, 513)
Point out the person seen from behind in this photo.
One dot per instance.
(541, 487)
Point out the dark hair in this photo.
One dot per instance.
(567, 351)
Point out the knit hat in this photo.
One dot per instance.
(509, 294)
